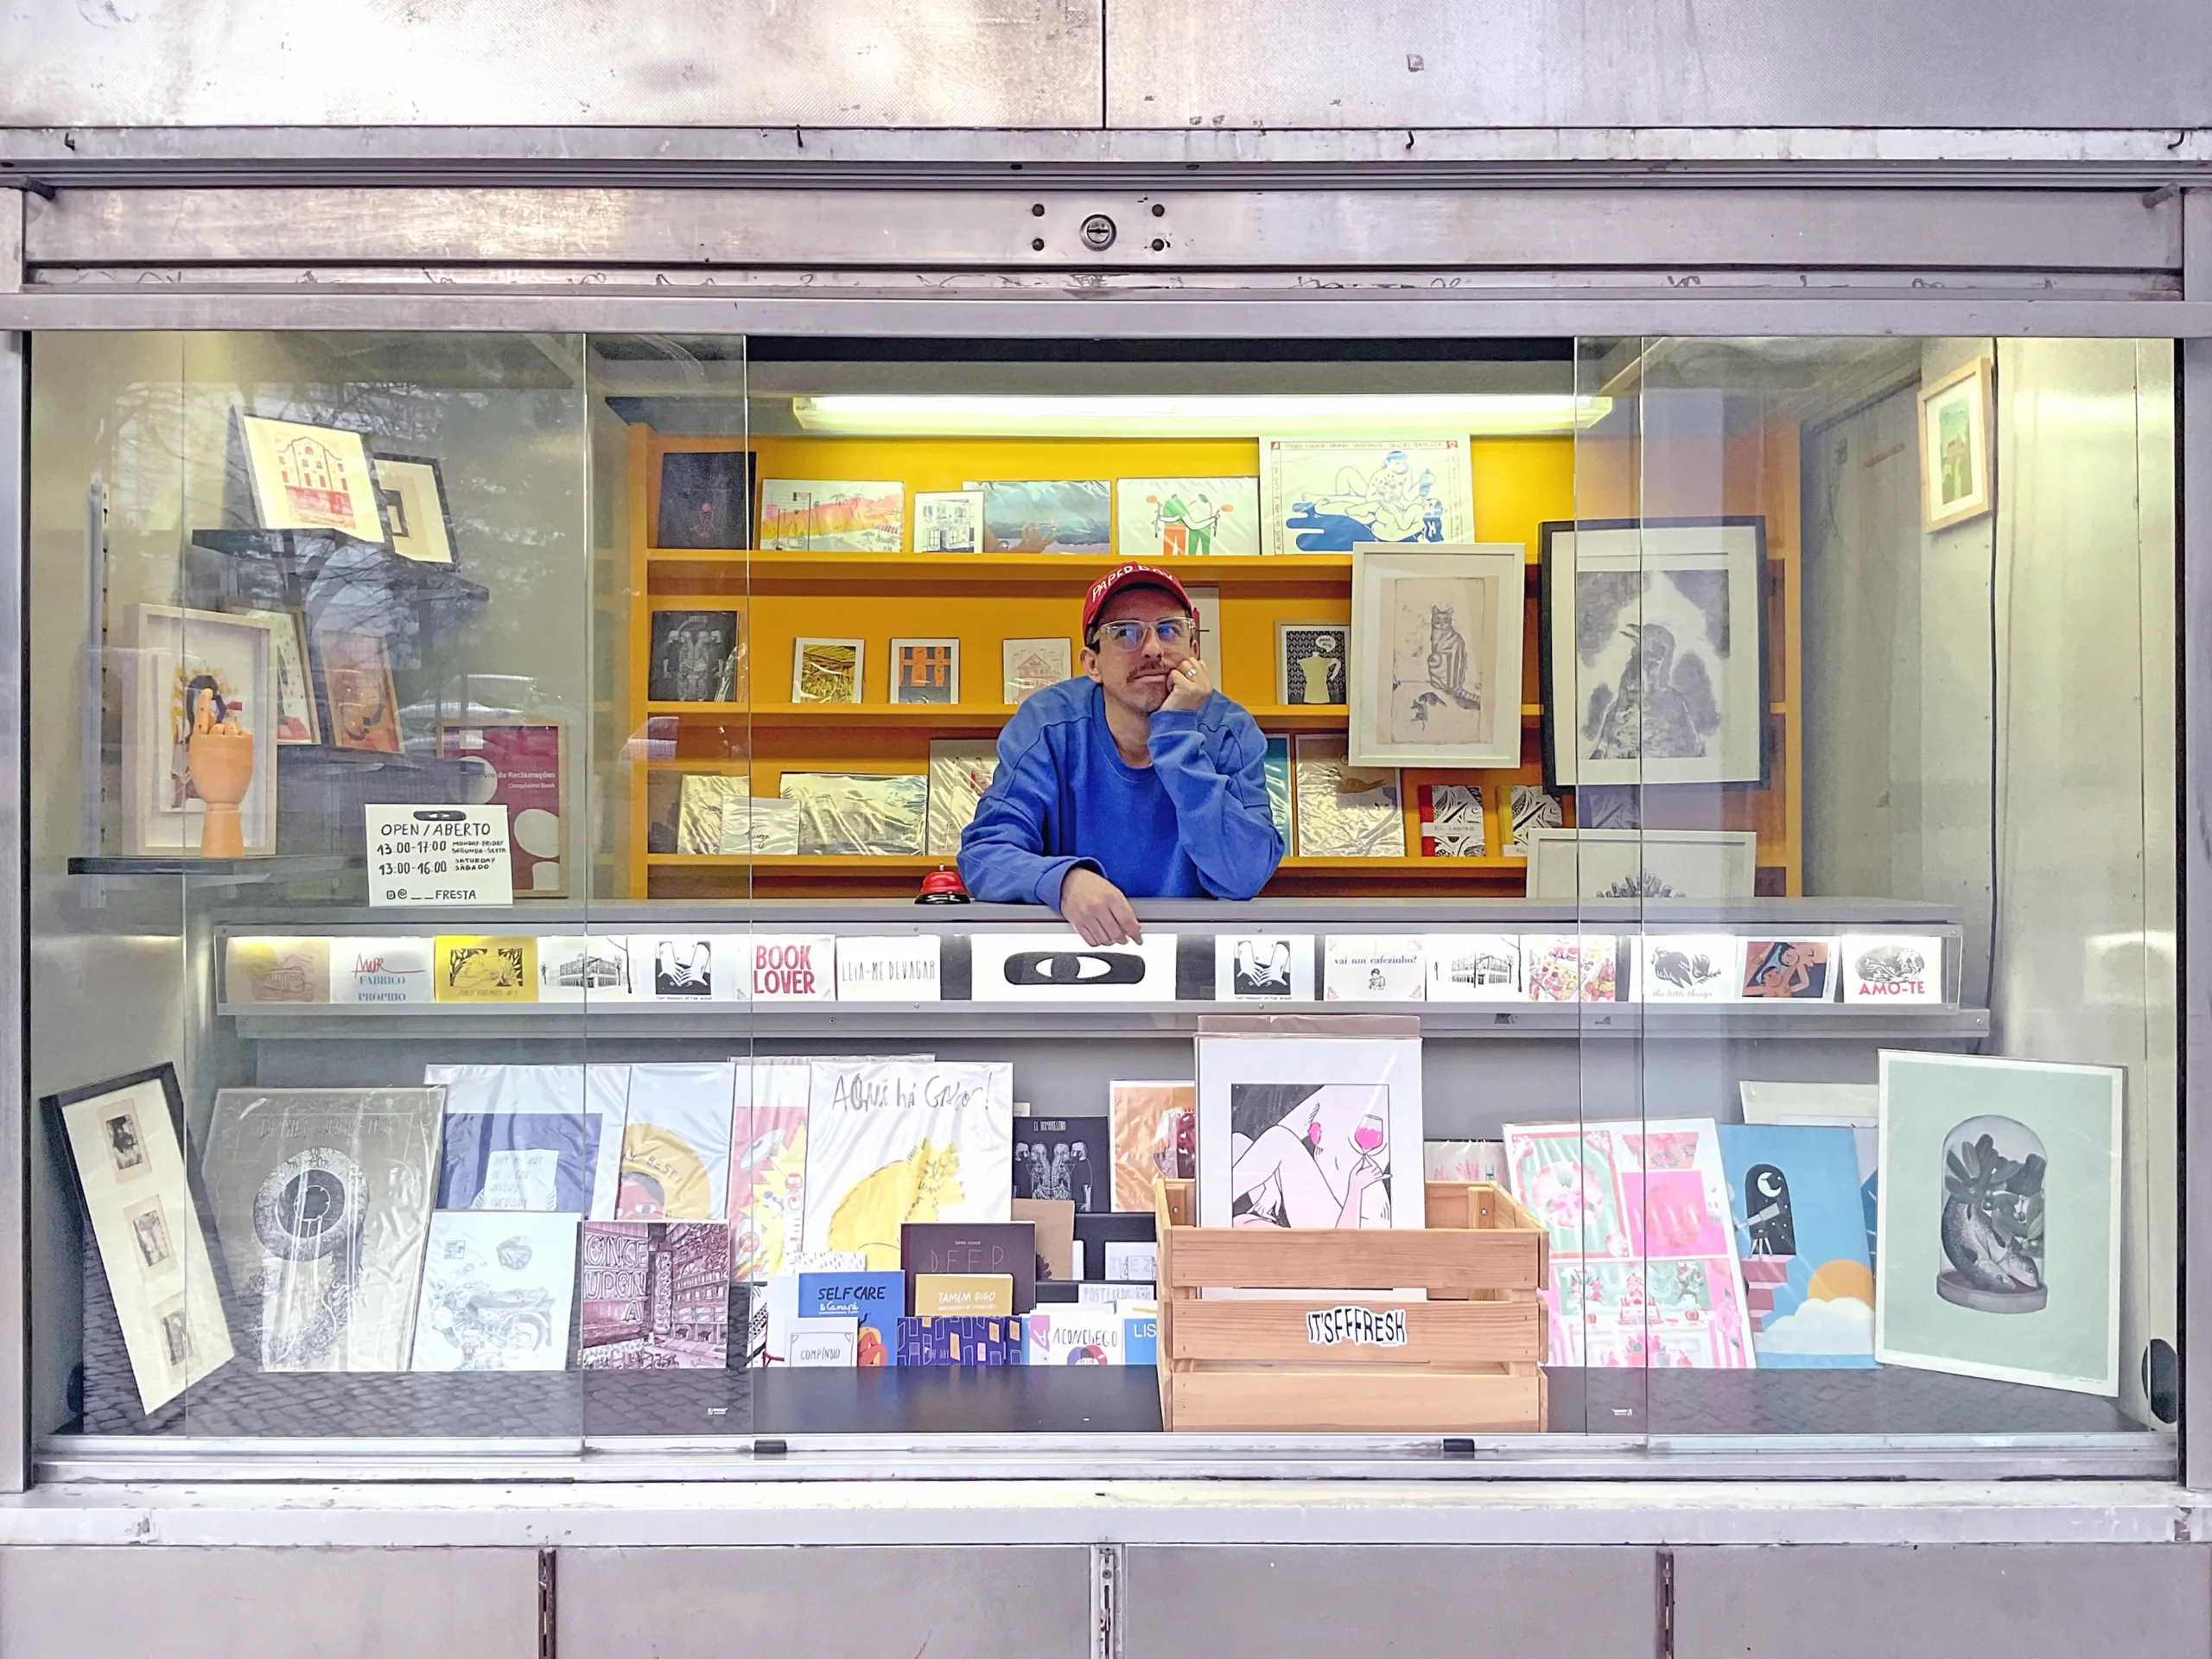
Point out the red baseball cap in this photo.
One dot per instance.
(1131, 576)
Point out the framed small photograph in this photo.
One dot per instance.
(1310, 663)
(412, 492)
(924, 671)
(1032, 664)
(358, 693)
(297, 718)
(1436, 680)
(182, 659)
(1955, 471)
(697, 656)
(519, 765)
(311, 478)
(125, 1145)
(705, 499)
(829, 671)
(948, 521)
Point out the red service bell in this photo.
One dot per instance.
(942, 887)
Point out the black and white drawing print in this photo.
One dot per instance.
(1260, 968)
(176, 1333)
(1650, 650)
(1440, 632)
(695, 656)
(1532, 809)
(1063, 1158)
(126, 1147)
(684, 967)
(1474, 967)
(1609, 807)
(1656, 650)
(150, 1234)
(1310, 663)
(1452, 820)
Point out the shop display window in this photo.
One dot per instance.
(1667, 938)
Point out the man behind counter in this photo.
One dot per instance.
(1136, 780)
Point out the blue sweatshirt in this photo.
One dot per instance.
(1195, 823)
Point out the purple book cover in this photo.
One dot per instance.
(655, 1296)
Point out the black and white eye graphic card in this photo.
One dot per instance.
(1061, 967)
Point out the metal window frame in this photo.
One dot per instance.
(1231, 302)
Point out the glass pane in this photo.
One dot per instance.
(1931, 581)
(311, 686)
(1782, 882)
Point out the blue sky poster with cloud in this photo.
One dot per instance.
(1801, 1234)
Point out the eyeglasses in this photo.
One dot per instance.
(1169, 631)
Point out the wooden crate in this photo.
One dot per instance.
(1469, 1362)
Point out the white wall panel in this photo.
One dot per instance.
(1022, 1602)
(1600, 63)
(268, 1603)
(1406, 1601)
(770, 63)
(1941, 1601)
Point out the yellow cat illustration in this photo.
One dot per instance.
(913, 1189)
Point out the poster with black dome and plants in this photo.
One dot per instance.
(1998, 1231)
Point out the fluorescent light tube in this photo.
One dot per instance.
(1470, 413)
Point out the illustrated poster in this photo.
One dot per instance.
(676, 1145)
(1306, 1132)
(1155, 1137)
(891, 1141)
(1643, 1264)
(1801, 1236)
(498, 1292)
(321, 1199)
(532, 1137)
(655, 1296)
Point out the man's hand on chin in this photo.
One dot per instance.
(1189, 685)
(1097, 909)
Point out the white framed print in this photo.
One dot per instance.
(177, 657)
(1997, 1219)
(311, 478)
(1654, 644)
(1436, 671)
(1955, 472)
(1583, 864)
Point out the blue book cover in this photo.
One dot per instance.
(875, 1299)
(959, 1339)
(519, 1160)
(1140, 1338)
(1801, 1233)
(1277, 765)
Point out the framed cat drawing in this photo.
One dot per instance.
(1436, 654)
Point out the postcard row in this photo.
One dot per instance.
(744, 967)
(1317, 495)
